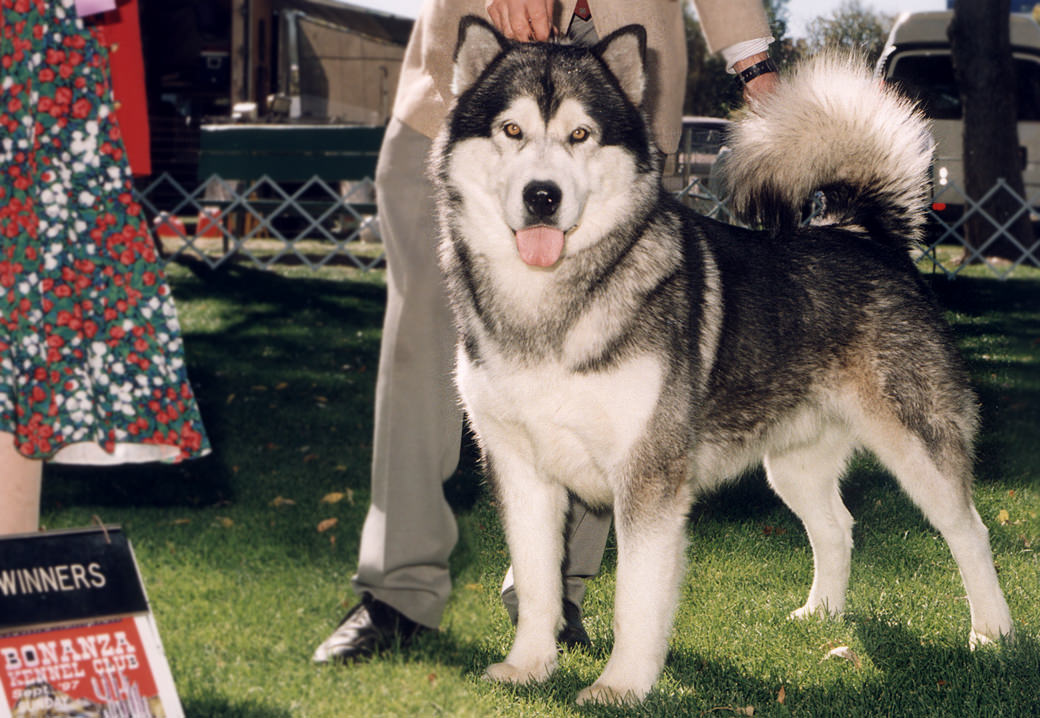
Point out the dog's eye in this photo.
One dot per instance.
(513, 131)
(579, 135)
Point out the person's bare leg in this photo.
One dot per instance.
(20, 480)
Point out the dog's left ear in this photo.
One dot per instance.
(479, 43)
(624, 52)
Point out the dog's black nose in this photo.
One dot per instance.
(542, 198)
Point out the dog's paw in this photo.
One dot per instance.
(819, 610)
(804, 613)
(508, 673)
(601, 694)
(977, 639)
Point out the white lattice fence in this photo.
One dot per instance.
(265, 222)
(313, 223)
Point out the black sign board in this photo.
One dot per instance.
(68, 575)
(76, 634)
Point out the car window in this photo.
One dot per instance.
(929, 79)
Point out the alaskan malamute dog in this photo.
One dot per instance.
(616, 345)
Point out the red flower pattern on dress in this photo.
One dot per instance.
(90, 347)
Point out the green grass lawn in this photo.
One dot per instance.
(247, 554)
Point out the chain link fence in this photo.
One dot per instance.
(315, 223)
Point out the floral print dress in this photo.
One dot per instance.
(91, 360)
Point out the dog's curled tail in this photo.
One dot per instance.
(831, 127)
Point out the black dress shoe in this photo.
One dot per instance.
(573, 634)
(370, 626)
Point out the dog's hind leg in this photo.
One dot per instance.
(938, 481)
(533, 511)
(651, 562)
(807, 479)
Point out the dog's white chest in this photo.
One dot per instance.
(575, 429)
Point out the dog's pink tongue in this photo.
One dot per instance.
(540, 246)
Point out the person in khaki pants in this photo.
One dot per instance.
(409, 532)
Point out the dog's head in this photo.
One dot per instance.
(545, 141)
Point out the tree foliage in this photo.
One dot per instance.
(851, 27)
(785, 50)
(710, 90)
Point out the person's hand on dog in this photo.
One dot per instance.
(523, 20)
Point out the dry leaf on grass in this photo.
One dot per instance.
(225, 522)
(1003, 517)
(327, 524)
(282, 501)
(781, 695)
(334, 497)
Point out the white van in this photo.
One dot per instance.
(917, 58)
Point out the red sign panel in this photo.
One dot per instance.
(95, 669)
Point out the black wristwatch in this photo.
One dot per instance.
(761, 67)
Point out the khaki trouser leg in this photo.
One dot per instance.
(410, 531)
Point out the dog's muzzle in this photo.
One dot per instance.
(541, 244)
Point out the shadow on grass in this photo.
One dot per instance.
(997, 327)
(741, 499)
(220, 707)
(909, 679)
(200, 482)
(284, 369)
(749, 497)
(250, 285)
(445, 647)
(950, 681)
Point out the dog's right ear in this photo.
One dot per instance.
(624, 52)
(479, 44)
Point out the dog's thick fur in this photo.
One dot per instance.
(615, 345)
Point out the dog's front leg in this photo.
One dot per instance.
(651, 562)
(533, 512)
